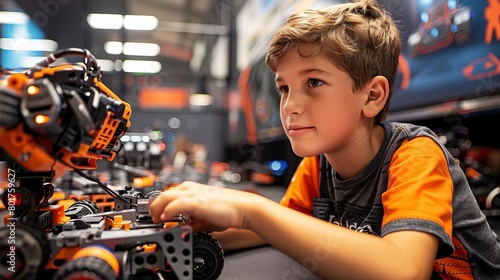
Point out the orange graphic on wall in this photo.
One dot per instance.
(404, 69)
(492, 17)
(482, 67)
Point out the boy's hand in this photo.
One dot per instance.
(209, 208)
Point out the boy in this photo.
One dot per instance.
(390, 202)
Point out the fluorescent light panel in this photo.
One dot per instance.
(116, 21)
(21, 44)
(105, 21)
(141, 66)
(13, 18)
(106, 65)
(145, 49)
(129, 66)
(136, 22)
(113, 47)
(131, 48)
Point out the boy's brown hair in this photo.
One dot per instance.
(360, 38)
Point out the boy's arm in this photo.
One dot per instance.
(328, 250)
(334, 252)
(233, 239)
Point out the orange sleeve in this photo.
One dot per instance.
(303, 187)
(419, 184)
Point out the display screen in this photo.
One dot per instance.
(451, 51)
(15, 50)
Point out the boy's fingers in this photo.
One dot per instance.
(156, 207)
(159, 204)
(178, 205)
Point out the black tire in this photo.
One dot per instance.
(86, 268)
(32, 251)
(208, 257)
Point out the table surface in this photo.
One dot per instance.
(262, 263)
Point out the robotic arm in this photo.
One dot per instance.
(54, 119)
(61, 117)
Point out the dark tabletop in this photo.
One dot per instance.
(263, 263)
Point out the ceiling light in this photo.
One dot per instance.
(106, 65)
(113, 47)
(21, 44)
(105, 21)
(131, 48)
(145, 49)
(115, 21)
(136, 22)
(201, 99)
(13, 18)
(141, 66)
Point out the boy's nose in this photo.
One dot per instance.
(292, 104)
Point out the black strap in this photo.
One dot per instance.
(323, 185)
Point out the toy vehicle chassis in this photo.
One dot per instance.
(115, 245)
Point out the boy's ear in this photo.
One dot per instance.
(377, 93)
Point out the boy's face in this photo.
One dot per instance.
(319, 110)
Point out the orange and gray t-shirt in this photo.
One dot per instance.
(413, 183)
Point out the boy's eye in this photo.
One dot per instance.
(314, 83)
(282, 89)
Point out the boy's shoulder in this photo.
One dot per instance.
(407, 129)
(399, 132)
